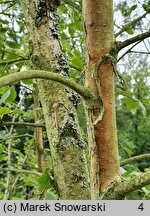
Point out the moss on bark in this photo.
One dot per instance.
(68, 155)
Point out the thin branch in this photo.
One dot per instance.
(120, 45)
(13, 61)
(9, 161)
(75, 67)
(119, 191)
(129, 50)
(12, 53)
(146, 46)
(5, 2)
(22, 124)
(139, 52)
(132, 23)
(18, 175)
(30, 74)
(13, 3)
(17, 136)
(32, 172)
(135, 159)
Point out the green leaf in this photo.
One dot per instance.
(141, 105)
(77, 62)
(9, 96)
(3, 157)
(12, 95)
(71, 30)
(128, 151)
(145, 6)
(132, 105)
(4, 21)
(1, 148)
(4, 89)
(3, 30)
(131, 10)
(50, 195)
(5, 96)
(148, 187)
(146, 101)
(18, 111)
(130, 31)
(17, 152)
(143, 108)
(44, 180)
(4, 111)
(27, 82)
(13, 45)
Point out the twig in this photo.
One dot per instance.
(135, 159)
(13, 61)
(17, 177)
(32, 172)
(129, 50)
(140, 52)
(22, 124)
(120, 45)
(132, 23)
(8, 180)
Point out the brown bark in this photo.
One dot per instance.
(98, 26)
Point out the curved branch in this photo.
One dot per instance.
(135, 159)
(119, 191)
(13, 61)
(120, 45)
(22, 124)
(132, 23)
(41, 74)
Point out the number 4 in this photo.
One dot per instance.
(141, 207)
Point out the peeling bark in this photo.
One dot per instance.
(98, 26)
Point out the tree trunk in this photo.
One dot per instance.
(98, 26)
(66, 144)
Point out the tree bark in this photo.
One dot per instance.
(66, 144)
(38, 132)
(98, 26)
